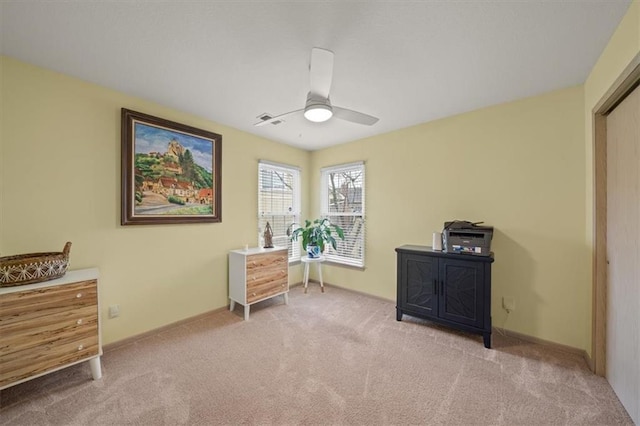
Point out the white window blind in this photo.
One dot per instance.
(279, 203)
(342, 192)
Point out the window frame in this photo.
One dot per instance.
(296, 211)
(325, 212)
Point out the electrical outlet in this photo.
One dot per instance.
(508, 303)
(114, 311)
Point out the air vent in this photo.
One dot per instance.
(267, 116)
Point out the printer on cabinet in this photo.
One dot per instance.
(461, 236)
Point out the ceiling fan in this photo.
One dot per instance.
(318, 107)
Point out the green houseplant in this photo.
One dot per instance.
(315, 235)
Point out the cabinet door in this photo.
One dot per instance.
(418, 292)
(462, 292)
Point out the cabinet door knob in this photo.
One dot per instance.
(253, 294)
(80, 347)
(79, 295)
(79, 322)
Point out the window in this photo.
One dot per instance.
(342, 192)
(279, 203)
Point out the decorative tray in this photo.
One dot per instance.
(33, 267)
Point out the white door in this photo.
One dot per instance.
(623, 253)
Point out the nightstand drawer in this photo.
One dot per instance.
(266, 260)
(270, 288)
(260, 276)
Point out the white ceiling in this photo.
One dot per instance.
(405, 62)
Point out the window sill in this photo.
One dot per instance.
(331, 263)
(342, 265)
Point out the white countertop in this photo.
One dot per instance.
(68, 278)
(257, 250)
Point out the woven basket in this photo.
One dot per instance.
(33, 267)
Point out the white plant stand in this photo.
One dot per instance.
(307, 261)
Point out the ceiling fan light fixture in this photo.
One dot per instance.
(318, 113)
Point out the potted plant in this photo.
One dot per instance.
(315, 235)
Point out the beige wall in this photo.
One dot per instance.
(623, 47)
(60, 141)
(519, 167)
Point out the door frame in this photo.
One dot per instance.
(626, 82)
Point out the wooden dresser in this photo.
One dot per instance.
(257, 274)
(48, 326)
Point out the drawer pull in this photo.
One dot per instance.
(79, 322)
(253, 263)
(282, 285)
(81, 347)
(78, 296)
(253, 294)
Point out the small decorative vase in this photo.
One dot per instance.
(313, 251)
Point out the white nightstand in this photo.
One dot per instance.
(257, 274)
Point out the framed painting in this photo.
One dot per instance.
(170, 172)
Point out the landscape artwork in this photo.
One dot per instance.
(170, 172)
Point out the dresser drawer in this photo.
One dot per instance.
(45, 357)
(31, 304)
(259, 277)
(35, 332)
(267, 260)
(267, 289)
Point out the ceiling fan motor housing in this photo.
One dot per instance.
(317, 108)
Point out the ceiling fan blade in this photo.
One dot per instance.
(276, 118)
(354, 116)
(321, 71)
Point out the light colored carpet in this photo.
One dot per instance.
(333, 358)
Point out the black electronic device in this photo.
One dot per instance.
(461, 236)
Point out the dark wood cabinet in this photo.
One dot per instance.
(452, 289)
